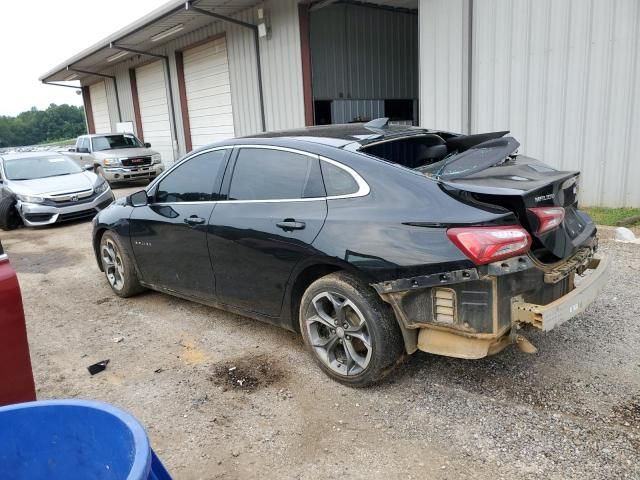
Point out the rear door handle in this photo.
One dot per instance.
(290, 224)
(194, 220)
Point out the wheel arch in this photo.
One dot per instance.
(304, 275)
(97, 238)
(308, 273)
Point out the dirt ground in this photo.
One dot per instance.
(227, 397)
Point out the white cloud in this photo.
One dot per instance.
(38, 35)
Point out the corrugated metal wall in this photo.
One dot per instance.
(564, 77)
(361, 55)
(281, 71)
(444, 64)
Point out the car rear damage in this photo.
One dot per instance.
(476, 312)
(534, 268)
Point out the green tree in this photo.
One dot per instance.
(57, 122)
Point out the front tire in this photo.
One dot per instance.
(9, 216)
(118, 267)
(351, 333)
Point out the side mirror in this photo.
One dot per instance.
(88, 167)
(73, 149)
(147, 145)
(82, 150)
(139, 199)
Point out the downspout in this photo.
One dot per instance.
(113, 78)
(169, 87)
(189, 5)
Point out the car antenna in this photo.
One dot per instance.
(377, 123)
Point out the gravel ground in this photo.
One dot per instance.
(224, 396)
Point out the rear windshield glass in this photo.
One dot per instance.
(39, 167)
(111, 142)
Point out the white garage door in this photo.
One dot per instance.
(154, 109)
(100, 108)
(206, 78)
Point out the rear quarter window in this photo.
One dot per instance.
(337, 180)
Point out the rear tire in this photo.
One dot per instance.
(118, 267)
(351, 333)
(9, 216)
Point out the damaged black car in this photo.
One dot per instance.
(373, 241)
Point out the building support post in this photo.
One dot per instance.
(113, 78)
(169, 87)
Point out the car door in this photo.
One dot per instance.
(83, 155)
(274, 209)
(169, 235)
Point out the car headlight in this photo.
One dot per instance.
(113, 162)
(102, 187)
(29, 198)
(156, 158)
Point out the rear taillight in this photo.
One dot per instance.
(490, 244)
(548, 217)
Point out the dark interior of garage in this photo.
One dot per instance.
(364, 62)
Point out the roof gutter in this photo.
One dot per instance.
(169, 86)
(189, 5)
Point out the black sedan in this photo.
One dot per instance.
(373, 241)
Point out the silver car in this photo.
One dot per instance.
(41, 188)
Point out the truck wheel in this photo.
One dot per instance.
(9, 216)
(118, 267)
(351, 333)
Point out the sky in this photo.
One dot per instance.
(37, 35)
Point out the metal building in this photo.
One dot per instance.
(562, 75)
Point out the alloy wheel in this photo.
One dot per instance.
(339, 334)
(113, 266)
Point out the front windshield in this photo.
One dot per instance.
(39, 167)
(112, 142)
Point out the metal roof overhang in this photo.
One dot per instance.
(139, 34)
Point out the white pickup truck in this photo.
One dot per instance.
(118, 157)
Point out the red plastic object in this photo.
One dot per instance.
(490, 244)
(16, 376)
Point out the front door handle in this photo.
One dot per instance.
(290, 224)
(194, 220)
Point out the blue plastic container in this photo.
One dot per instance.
(74, 439)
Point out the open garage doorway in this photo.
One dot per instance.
(364, 61)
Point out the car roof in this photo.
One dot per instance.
(344, 134)
(15, 155)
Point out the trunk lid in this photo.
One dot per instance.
(520, 183)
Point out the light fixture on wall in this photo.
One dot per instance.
(167, 33)
(116, 56)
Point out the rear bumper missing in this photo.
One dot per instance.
(547, 317)
(474, 313)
